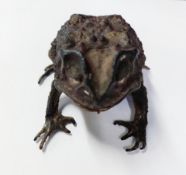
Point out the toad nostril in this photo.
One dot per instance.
(104, 40)
(94, 38)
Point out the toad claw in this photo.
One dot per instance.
(58, 122)
(136, 129)
(48, 71)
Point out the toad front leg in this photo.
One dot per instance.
(137, 127)
(54, 121)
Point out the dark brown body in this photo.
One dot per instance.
(98, 39)
(97, 62)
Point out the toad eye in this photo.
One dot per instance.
(72, 66)
(124, 64)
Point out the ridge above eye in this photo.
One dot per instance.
(71, 66)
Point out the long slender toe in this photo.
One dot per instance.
(48, 71)
(39, 134)
(68, 120)
(136, 145)
(64, 129)
(143, 145)
(126, 136)
(46, 135)
(122, 123)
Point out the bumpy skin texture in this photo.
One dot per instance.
(97, 62)
(98, 37)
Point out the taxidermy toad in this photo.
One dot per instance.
(97, 62)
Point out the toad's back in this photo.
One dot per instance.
(82, 33)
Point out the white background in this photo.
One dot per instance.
(26, 29)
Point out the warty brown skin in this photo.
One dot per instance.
(97, 62)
